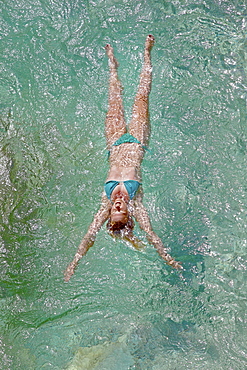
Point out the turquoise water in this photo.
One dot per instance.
(123, 309)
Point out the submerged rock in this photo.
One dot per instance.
(106, 356)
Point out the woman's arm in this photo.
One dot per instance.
(88, 240)
(141, 216)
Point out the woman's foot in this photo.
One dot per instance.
(149, 43)
(110, 54)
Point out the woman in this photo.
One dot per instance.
(122, 198)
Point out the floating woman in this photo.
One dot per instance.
(122, 196)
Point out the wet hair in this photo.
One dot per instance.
(124, 230)
(119, 228)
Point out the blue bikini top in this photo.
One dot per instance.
(130, 185)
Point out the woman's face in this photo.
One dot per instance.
(119, 211)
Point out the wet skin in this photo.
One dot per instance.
(119, 211)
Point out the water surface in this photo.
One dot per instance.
(123, 308)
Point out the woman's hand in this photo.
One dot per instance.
(70, 271)
(169, 260)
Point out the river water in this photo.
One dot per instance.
(123, 309)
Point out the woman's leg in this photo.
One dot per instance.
(115, 125)
(139, 126)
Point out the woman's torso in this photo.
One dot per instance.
(125, 162)
(124, 175)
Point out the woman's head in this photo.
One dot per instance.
(120, 222)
